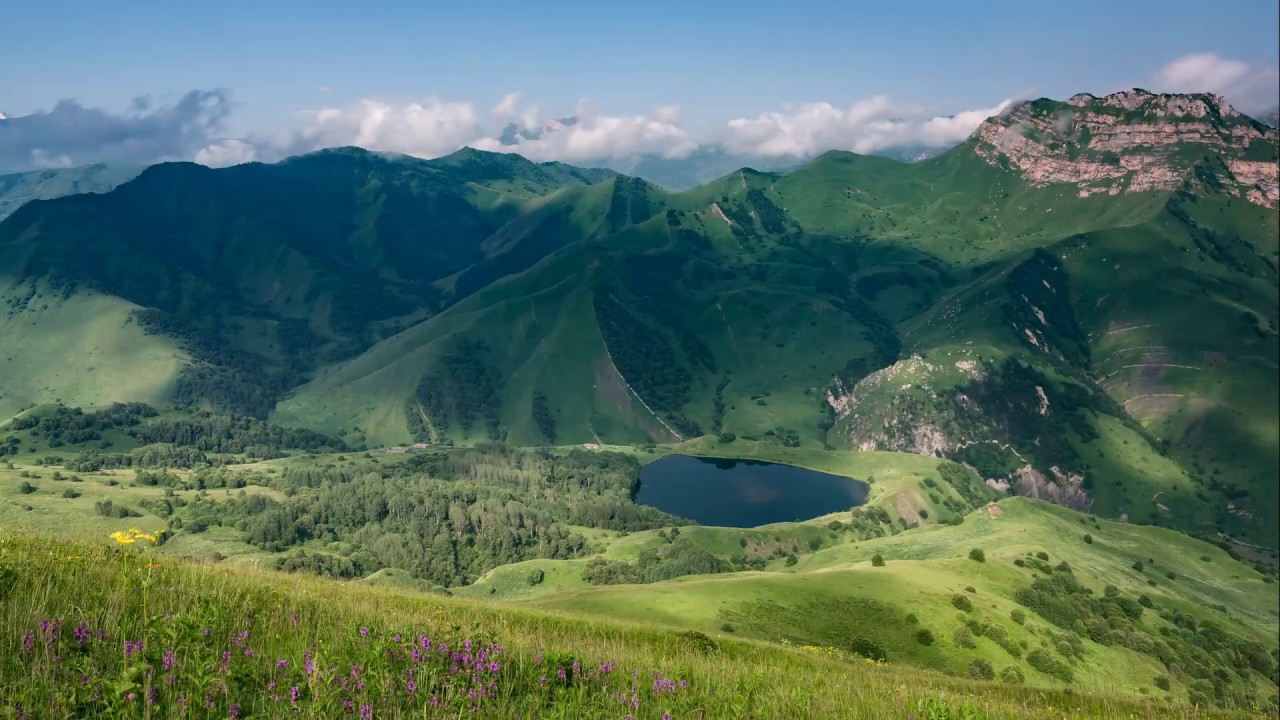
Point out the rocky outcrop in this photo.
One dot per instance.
(1132, 141)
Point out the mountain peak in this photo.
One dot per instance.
(1131, 141)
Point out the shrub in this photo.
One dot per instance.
(1012, 675)
(971, 589)
(1162, 682)
(877, 560)
(1088, 538)
(962, 603)
(1047, 664)
(536, 577)
(1019, 563)
(1144, 601)
(977, 555)
(1203, 558)
(56, 476)
(1137, 565)
(726, 627)
(866, 648)
(964, 638)
(700, 641)
(26, 488)
(982, 670)
(70, 493)
(976, 626)
(792, 560)
(924, 636)
(1171, 575)
(912, 619)
(1018, 616)
(1043, 555)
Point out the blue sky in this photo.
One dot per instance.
(279, 60)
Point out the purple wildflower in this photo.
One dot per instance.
(233, 711)
(364, 631)
(170, 659)
(282, 663)
(82, 634)
(28, 642)
(294, 694)
(410, 687)
(366, 712)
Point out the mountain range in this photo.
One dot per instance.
(1079, 302)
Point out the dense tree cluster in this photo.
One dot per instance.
(543, 417)
(1215, 661)
(446, 517)
(459, 391)
(71, 426)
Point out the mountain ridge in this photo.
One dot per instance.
(955, 307)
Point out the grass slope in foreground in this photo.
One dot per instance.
(93, 630)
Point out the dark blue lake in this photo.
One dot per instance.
(744, 493)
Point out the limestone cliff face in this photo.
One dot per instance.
(1132, 141)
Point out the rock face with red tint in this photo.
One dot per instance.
(1134, 141)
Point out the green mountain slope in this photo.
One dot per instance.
(1079, 302)
(20, 188)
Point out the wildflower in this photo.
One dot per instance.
(282, 663)
(82, 634)
(170, 658)
(294, 694)
(364, 631)
(366, 712)
(306, 662)
(233, 711)
(206, 632)
(130, 697)
(410, 686)
(28, 642)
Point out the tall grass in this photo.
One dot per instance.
(92, 630)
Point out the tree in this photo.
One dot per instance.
(1088, 539)
(924, 636)
(977, 555)
(877, 560)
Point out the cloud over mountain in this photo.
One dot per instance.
(194, 127)
(867, 126)
(1250, 87)
(72, 134)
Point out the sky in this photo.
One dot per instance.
(143, 81)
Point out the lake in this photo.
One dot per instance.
(744, 493)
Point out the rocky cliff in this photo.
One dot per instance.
(1132, 141)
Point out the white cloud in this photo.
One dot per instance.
(227, 152)
(867, 126)
(597, 137)
(429, 128)
(1252, 87)
(41, 160)
(507, 108)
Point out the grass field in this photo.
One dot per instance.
(288, 640)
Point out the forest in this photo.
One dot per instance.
(446, 517)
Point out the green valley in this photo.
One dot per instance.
(1050, 356)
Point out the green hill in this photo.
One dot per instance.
(20, 188)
